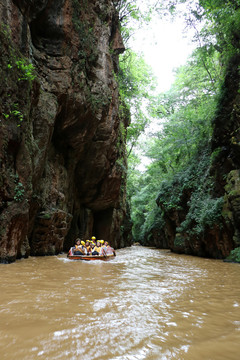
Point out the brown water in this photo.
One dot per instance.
(145, 304)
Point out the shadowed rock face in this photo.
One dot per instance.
(60, 152)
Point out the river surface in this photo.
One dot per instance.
(145, 304)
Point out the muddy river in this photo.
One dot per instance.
(145, 304)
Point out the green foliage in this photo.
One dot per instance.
(18, 115)
(130, 17)
(194, 176)
(98, 100)
(193, 188)
(121, 137)
(27, 70)
(179, 153)
(222, 26)
(215, 154)
(141, 192)
(133, 176)
(19, 192)
(204, 212)
(153, 222)
(136, 85)
(14, 113)
(88, 52)
(179, 241)
(234, 255)
(45, 215)
(17, 75)
(135, 77)
(186, 113)
(216, 24)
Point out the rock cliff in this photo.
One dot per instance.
(62, 140)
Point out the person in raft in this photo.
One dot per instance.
(93, 239)
(92, 247)
(103, 250)
(97, 249)
(88, 247)
(79, 248)
(107, 250)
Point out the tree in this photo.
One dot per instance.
(130, 16)
(136, 86)
(180, 154)
(185, 112)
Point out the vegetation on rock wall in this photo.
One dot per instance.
(234, 255)
(17, 76)
(184, 176)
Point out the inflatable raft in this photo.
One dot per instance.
(91, 257)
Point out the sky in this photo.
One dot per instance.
(165, 45)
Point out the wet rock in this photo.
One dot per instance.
(59, 156)
(50, 229)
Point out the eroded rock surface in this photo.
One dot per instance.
(62, 148)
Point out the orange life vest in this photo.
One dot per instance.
(89, 249)
(97, 248)
(79, 248)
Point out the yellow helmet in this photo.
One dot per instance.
(82, 242)
(93, 238)
(101, 241)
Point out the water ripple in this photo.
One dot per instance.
(146, 304)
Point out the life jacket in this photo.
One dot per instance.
(97, 248)
(84, 249)
(89, 249)
(80, 248)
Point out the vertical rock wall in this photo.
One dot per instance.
(62, 142)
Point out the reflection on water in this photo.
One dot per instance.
(145, 304)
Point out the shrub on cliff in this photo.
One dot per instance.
(234, 255)
(191, 190)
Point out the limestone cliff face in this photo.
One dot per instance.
(62, 145)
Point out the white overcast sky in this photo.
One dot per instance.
(165, 45)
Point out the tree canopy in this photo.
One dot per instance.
(136, 86)
(179, 153)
